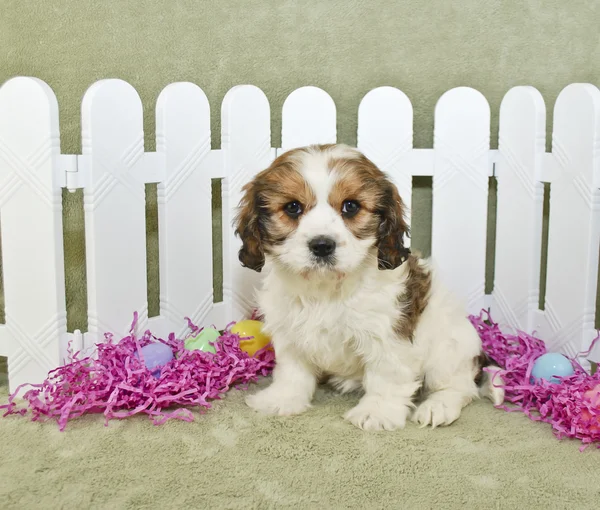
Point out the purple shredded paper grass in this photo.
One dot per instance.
(564, 405)
(116, 382)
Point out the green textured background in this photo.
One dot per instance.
(346, 47)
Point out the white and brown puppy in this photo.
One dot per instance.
(344, 300)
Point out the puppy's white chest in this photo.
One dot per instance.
(330, 327)
(329, 333)
(326, 337)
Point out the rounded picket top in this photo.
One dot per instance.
(522, 128)
(524, 98)
(111, 105)
(460, 112)
(245, 110)
(180, 104)
(577, 126)
(308, 118)
(29, 122)
(29, 97)
(182, 131)
(385, 126)
(380, 112)
(112, 116)
(246, 94)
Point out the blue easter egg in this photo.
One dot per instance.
(156, 355)
(551, 364)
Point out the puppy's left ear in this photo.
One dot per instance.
(392, 229)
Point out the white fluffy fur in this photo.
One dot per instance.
(341, 322)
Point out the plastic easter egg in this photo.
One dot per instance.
(251, 328)
(156, 355)
(550, 365)
(202, 341)
(593, 421)
(593, 396)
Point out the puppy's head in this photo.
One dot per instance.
(321, 209)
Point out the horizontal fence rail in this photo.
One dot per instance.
(114, 168)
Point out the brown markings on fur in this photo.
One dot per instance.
(356, 181)
(415, 298)
(479, 363)
(392, 252)
(381, 213)
(247, 227)
(286, 185)
(261, 221)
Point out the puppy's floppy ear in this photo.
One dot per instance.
(392, 229)
(247, 227)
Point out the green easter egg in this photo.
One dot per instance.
(201, 342)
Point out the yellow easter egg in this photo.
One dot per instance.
(252, 329)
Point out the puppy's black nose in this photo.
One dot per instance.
(322, 246)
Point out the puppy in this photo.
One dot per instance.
(345, 301)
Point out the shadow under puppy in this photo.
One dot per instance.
(344, 300)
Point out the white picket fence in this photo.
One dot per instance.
(113, 169)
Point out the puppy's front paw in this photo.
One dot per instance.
(378, 414)
(276, 403)
(436, 412)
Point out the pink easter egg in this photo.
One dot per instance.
(593, 395)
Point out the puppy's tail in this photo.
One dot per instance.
(488, 381)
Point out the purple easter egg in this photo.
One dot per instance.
(156, 355)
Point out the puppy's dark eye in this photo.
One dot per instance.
(293, 209)
(350, 208)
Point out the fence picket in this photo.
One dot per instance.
(521, 151)
(246, 142)
(385, 135)
(32, 243)
(184, 207)
(574, 223)
(460, 193)
(114, 201)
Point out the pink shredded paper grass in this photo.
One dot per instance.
(116, 383)
(563, 405)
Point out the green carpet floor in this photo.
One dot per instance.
(231, 457)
